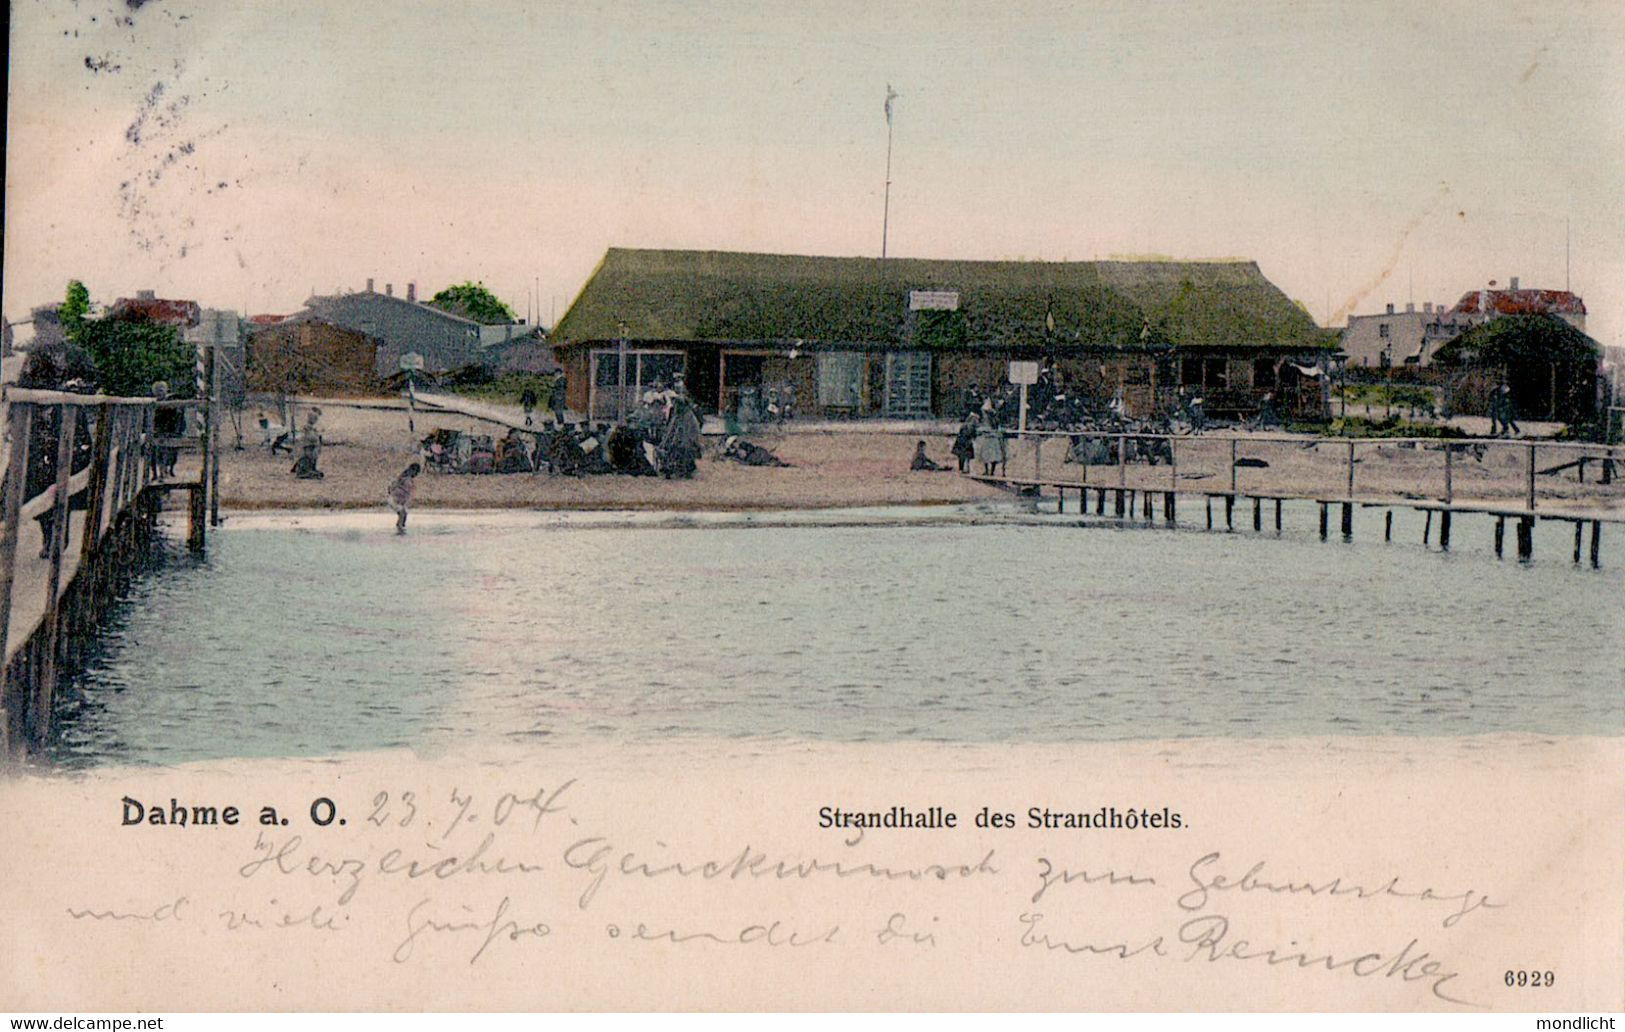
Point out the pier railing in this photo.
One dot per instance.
(1508, 479)
(82, 469)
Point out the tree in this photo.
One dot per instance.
(1550, 366)
(75, 306)
(473, 301)
(131, 355)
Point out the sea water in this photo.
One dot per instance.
(317, 635)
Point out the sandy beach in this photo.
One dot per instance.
(365, 448)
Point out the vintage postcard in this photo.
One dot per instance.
(813, 507)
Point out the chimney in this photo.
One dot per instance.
(1427, 306)
(411, 292)
(1390, 309)
(1514, 284)
(1410, 306)
(369, 284)
(146, 295)
(389, 290)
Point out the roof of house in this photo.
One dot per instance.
(156, 310)
(1519, 302)
(731, 296)
(319, 302)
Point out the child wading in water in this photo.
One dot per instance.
(400, 495)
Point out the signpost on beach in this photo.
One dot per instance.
(1025, 374)
(411, 365)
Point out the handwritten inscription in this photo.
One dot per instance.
(481, 878)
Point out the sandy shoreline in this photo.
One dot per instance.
(367, 447)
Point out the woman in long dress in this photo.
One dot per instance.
(989, 446)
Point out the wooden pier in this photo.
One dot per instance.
(95, 496)
(1157, 492)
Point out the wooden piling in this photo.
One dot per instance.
(1229, 512)
(1531, 478)
(1209, 512)
(1444, 530)
(1258, 515)
(1579, 537)
(1121, 500)
(1323, 521)
(22, 422)
(1348, 520)
(1388, 525)
(45, 683)
(1526, 537)
(1596, 542)
(1500, 534)
(1168, 513)
(1427, 528)
(1277, 515)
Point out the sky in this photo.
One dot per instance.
(246, 154)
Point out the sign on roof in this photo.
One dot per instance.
(933, 300)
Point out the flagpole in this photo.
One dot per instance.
(885, 210)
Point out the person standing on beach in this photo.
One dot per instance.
(400, 495)
(557, 397)
(964, 448)
(527, 401)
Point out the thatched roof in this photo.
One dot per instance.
(733, 297)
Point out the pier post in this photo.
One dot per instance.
(197, 516)
(1388, 525)
(1229, 512)
(1121, 501)
(1526, 537)
(1348, 520)
(1531, 478)
(1277, 515)
(1323, 521)
(45, 679)
(1427, 528)
(1209, 512)
(1147, 506)
(1258, 515)
(1168, 515)
(22, 422)
(1596, 541)
(1444, 530)
(1500, 534)
(1579, 535)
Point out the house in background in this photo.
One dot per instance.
(1411, 338)
(146, 306)
(906, 337)
(306, 354)
(1480, 306)
(403, 324)
(1408, 338)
